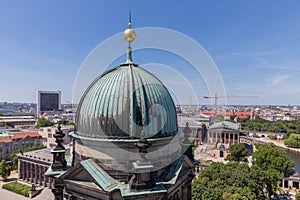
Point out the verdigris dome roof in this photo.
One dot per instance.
(124, 102)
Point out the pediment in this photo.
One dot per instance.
(89, 172)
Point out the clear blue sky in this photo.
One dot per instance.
(255, 44)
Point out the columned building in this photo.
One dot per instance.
(226, 132)
(33, 165)
(126, 141)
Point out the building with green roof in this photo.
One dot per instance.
(126, 141)
(225, 131)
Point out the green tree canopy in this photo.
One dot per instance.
(14, 156)
(297, 197)
(8, 124)
(71, 123)
(63, 122)
(273, 137)
(42, 122)
(219, 118)
(273, 162)
(4, 170)
(236, 180)
(237, 153)
(226, 181)
(271, 157)
(293, 141)
(282, 126)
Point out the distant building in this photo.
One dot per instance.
(291, 182)
(198, 125)
(48, 132)
(10, 142)
(48, 101)
(17, 121)
(225, 131)
(199, 167)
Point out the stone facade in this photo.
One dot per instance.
(33, 165)
(229, 136)
(18, 141)
(224, 132)
(48, 132)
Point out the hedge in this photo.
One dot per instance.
(17, 188)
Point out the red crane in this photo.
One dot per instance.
(216, 97)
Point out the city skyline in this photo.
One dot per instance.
(255, 45)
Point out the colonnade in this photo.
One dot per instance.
(229, 137)
(34, 173)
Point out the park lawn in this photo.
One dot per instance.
(18, 188)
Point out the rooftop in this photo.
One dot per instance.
(42, 154)
(9, 137)
(226, 125)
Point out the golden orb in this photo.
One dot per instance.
(129, 35)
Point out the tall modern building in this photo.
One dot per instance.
(127, 144)
(48, 101)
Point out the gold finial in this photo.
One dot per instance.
(129, 34)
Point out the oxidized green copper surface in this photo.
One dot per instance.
(105, 181)
(226, 125)
(124, 101)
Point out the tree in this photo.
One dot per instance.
(71, 123)
(14, 156)
(4, 170)
(272, 161)
(219, 118)
(237, 197)
(237, 153)
(8, 124)
(226, 181)
(282, 126)
(238, 181)
(63, 122)
(297, 197)
(293, 141)
(273, 137)
(42, 122)
(271, 157)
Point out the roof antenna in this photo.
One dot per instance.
(129, 21)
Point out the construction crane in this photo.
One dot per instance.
(216, 97)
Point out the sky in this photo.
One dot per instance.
(255, 45)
